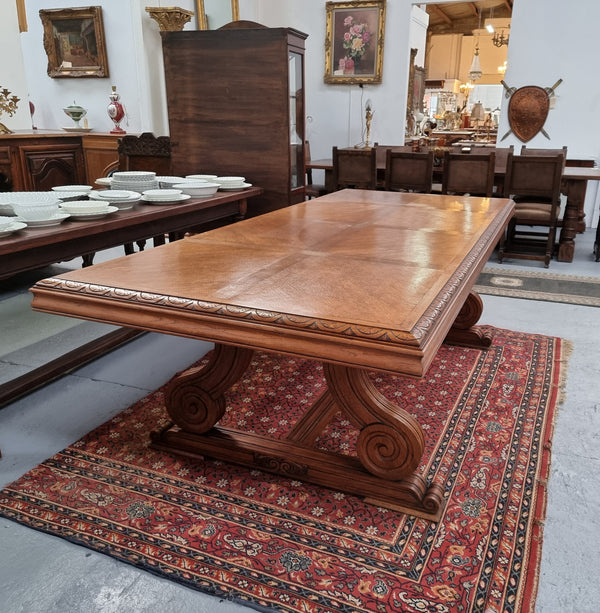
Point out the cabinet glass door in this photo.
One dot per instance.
(296, 120)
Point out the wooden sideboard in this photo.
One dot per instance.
(37, 160)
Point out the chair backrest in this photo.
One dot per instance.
(145, 152)
(307, 158)
(469, 173)
(354, 168)
(535, 177)
(527, 151)
(502, 154)
(382, 152)
(408, 170)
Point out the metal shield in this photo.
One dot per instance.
(527, 111)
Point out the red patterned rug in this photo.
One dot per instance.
(273, 543)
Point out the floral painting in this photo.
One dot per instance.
(354, 41)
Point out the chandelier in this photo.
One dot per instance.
(475, 70)
(499, 39)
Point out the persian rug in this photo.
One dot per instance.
(533, 285)
(273, 543)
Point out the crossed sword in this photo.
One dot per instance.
(511, 90)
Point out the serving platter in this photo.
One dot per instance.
(92, 215)
(174, 200)
(55, 220)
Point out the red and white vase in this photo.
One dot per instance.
(116, 111)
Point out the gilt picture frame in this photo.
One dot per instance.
(354, 39)
(212, 14)
(74, 42)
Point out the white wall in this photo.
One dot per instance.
(134, 54)
(12, 73)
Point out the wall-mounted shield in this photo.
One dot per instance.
(527, 111)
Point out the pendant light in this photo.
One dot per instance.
(475, 70)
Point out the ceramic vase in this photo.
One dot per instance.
(116, 111)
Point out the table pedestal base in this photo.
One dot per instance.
(389, 446)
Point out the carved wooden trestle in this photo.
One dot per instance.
(389, 446)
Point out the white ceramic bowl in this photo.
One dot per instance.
(72, 188)
(230, 181)
(33, 211)
(162, 194)
(209, 178)
(84, 206)
(200, 188)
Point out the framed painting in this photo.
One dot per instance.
(74, 42)
(354, 41)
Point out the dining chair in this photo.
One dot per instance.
(533, 182)
(408, 171)
(354, 168)
(469, 173)
(311, 190)
(145, 152)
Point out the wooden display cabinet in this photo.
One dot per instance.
(236, 107)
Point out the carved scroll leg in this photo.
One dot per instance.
(391, 442)
(463, 331)
(195, 399)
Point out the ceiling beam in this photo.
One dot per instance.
(441, 14)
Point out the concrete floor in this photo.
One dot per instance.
(44, 574)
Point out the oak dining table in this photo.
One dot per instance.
(574, 184)
(359, 280)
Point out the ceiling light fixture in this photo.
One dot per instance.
(475, 70)
(500, 39)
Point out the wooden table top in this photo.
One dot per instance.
(357, 277)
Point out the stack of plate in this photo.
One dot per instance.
(232, 183)
(123, 199)
(134, 180)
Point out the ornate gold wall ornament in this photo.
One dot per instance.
(170, 18)
(8, 104)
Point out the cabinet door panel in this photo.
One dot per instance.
(52, 165)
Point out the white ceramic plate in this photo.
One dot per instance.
(76, 129)
(56, 219)
(94, 215)
(106, 181)
(72, 188)
(114, 194)
(180, 198)
(236, 188)
(14, 227)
